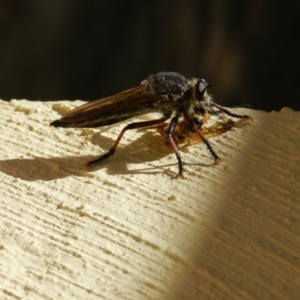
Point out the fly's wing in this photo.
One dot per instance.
(111, 109)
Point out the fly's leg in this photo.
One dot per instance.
(205, 141)
(229, 113)
(112, 150)
(169, 133)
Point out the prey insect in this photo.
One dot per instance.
(185, 136)
(164, 92)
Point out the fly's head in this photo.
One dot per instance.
(199, 100)
(200, 92)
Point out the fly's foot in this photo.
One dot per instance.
(248, 118)
(93, 163)
(179, 176)
(217, 160)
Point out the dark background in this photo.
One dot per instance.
(87, 49)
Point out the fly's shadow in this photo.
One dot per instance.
(134, 153)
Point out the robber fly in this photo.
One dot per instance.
(164, 92)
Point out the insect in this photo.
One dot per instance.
(164, 92)
(184, 135)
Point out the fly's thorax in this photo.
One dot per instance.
(170, 84)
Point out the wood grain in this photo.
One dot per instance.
(129, 230)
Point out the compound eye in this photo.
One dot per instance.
(200, 91)
(202, 86)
